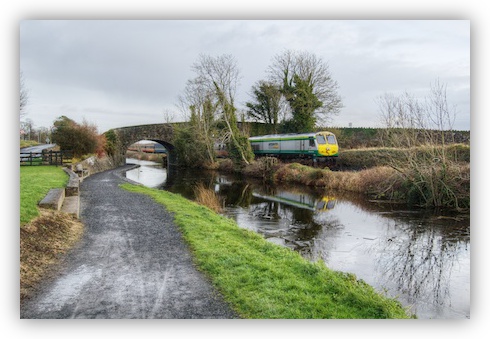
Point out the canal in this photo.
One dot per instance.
(422, 258)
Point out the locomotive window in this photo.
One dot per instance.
(331, 140)
(312, 142)
(320, 139)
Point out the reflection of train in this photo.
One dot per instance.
(320, 145)
(147, 148)
(300, 200)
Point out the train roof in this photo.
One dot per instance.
(288, 135)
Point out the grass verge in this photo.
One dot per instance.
(35, 183)
(263, 280)
(44, 234)
(28, 143)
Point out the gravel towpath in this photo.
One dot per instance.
(131, 263)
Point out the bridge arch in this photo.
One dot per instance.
(161, 133)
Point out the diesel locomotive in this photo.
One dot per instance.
(318, 146)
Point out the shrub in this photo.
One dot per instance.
(263, 167)
(81, 139)
(226, 165)
(191, 151)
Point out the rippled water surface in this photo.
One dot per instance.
(420, 257)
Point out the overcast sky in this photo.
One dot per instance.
(119, 73)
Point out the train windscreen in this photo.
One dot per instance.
(331, 140)
(320, 139)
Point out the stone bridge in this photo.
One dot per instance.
(161, 133)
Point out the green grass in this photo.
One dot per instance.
(263, 280)
(384, 156)
(35, 183)
(28, 143)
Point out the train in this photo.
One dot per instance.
(148, 148)
(318, 146)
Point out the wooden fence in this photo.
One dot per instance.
(46, 158)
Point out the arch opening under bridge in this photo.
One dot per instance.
(160, 133)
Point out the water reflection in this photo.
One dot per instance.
(149, 173)
(422, 258)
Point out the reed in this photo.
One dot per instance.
(207, 197)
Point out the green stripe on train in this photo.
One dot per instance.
(282, 139)
(294, 152)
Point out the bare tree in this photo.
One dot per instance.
(219, 76)
(423, 128)
(28, 127)
(312, 69)
(168, 116)
(196, 102)
(24, 95)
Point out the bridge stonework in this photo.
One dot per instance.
(161, 133)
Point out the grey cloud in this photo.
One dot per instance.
(142, 66)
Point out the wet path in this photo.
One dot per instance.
(131, 263)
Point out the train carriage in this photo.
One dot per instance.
(317, 146)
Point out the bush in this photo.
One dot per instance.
(439, 185)
(191, 151)
(226, 165)
(263, 167)
(81, 139)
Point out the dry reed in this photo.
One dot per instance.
(207, 197)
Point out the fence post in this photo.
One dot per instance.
(30, 158)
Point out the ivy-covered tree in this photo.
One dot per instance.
(266, 104)
(303, 102)
(314, 72)
(209, 98)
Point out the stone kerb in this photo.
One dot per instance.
(73, 186)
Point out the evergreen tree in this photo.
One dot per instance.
(303, 104)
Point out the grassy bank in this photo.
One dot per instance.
(263, 280)
(35, 183)
(28, 143)
(44, 235)
(449, 185)
(429, 184)
(363, 158)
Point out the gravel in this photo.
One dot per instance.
(132, 262)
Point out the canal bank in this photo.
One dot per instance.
(418, 256)
(265, 281)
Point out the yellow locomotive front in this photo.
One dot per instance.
(327, 144)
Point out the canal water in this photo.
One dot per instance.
(422, 258)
